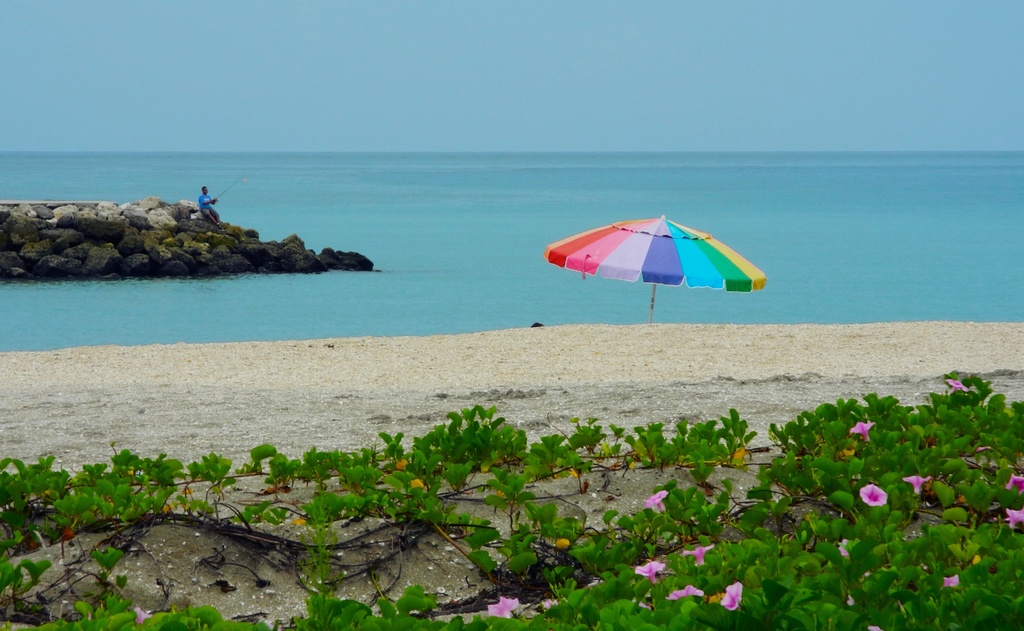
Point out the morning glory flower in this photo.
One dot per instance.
(873, 627)
(141, 615)
(655, 501)
(650, 570)
(873, 496)
(548, 603)
(955, 385)
(1014, 517)
(951, 581)
(1016, 482)
(698, 553)
(503, 608)
(689, 590)
(862, 429)
(918, 481)
(842, 548)
(733, 596)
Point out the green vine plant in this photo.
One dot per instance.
(866, 514)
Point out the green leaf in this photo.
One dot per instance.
(481, 537)
(387, 610)
(496, 501)
(483, 560)
(414, 599)
(830, 552)
(943, 492)
(842, 499)
(953, 466)
(108, 558)
(954, 514)
(521, 562)
(773, 592)
(35, 570)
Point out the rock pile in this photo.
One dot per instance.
(146, 238)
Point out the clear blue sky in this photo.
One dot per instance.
(522, 75)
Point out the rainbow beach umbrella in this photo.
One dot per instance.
(659, 251)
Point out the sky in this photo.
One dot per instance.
(523, 75)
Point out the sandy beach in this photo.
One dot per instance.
(187, 400)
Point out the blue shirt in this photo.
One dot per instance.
(204, 202)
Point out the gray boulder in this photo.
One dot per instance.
(173, 268)
(66, 209)
(230, 263)
(135, 265)
(22, 229)
(149, 203)
(62, 238)
(68, 221)
(137, 218)
(56, 266)
(259, 254)
(160, 219)
(9, 261)
(348, 261)
(102, 261)
(160, 255)
(103, 230)
(131, 244)
(78, 252)
(183, 257)
(294, 257)
(34, 252)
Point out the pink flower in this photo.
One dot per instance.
(650, 570)
(689, 590)
(862, 429)
(141, 615)
(850, 601)
(1016, 482)
(873, 496)
(955, 385)
(1014, 517)
(842, 548)
(918, 482)
(698, 553)
(951, 581)
(655, 501)
(872, 627)
(733, 596)
(503, 608)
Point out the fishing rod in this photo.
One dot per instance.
(241, 179)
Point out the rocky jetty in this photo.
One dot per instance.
(146, 238)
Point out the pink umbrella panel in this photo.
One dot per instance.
(657, 251)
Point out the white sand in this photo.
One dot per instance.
(188, 400)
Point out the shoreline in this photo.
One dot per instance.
(82, 404)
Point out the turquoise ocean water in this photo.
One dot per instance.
(459, 238)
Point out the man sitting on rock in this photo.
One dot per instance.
(206, 207)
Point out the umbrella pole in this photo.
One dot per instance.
(650, 314)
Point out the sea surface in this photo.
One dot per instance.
(458, 240)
